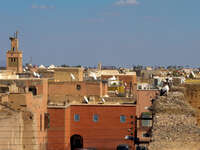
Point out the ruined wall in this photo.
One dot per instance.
(34, 108)
(174, 124)
(29, 139)
(38, 106)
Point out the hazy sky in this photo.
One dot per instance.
(73, 32)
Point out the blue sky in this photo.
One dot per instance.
(73, 32)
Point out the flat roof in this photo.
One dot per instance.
(99, 105)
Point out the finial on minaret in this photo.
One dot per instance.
(14, 42)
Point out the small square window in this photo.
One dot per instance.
(78, 86)
(76, 117)
(95, 118)
(122, 118)
(131, 116)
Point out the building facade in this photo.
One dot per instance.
(76, 90)
(101, 127)
(28, 96)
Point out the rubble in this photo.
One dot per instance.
(174, 124)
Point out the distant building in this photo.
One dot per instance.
(60, 74)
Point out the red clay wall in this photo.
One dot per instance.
(108, 132)
(56, 137)
(105, 134)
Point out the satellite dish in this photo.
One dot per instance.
(38, 75)
(35, 74)
(51, 66)
(94, 75)
(103, 100)
(72, 76)
(42, 66)
(112, 78)
(86, 99)
(106, 96)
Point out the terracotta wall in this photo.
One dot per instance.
(105, 134)
(56, 132)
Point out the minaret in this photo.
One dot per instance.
(14, 56)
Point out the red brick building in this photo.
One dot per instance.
(102, 127)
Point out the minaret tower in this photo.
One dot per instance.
(14, 56)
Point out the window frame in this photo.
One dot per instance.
(146, 123)
(76, 117)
